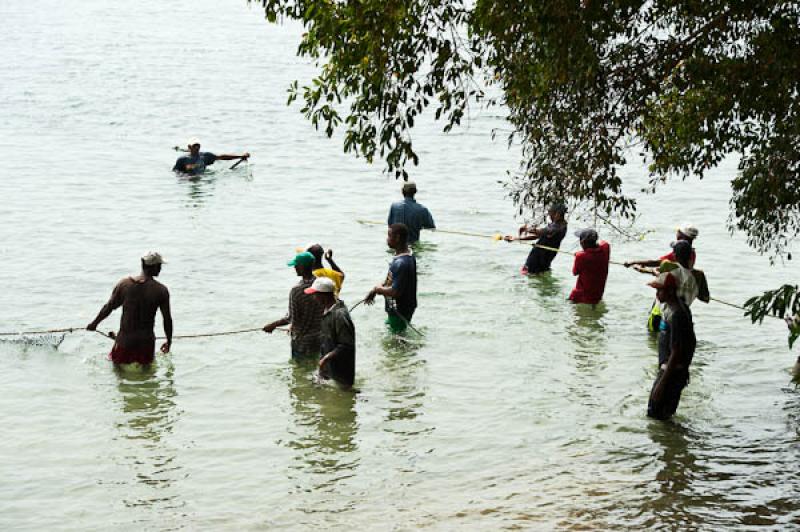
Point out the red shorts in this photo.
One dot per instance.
(141, 354)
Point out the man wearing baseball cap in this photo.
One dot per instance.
(413, 215)
(196, 162)
(304, 313)
(337, 334)
(686, 232)
(673, 372)
(140, 297)
(591, 267)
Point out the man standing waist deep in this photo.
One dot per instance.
(408, 212)
(140, 297)
(400, 286)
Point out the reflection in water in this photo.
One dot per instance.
(587, 333)
(324, 428)
(405, 392)
(198, 187)
(148, 418)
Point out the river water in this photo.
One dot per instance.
(515, 410)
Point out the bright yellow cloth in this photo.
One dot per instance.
(333, 275)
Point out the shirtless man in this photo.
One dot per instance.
(139, 298)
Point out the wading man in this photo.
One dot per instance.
(196, 161)
(338, 334)
(551, 235)
(400, 287)
(140, 297)
(673, 372)
(591, 267)
(304, 314)
(413, 215)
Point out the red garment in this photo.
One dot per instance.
(591, 267)
(671, 257)
(143, 354)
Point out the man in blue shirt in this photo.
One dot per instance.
(196, 161)
(400, 286)
(410, 213)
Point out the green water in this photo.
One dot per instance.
(516, 409)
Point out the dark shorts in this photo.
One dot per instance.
(539, 260)
(143, 354)
(668, 404)
(664, 346)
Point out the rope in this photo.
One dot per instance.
(50, 331)
(549, 248)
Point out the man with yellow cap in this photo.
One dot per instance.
(140, 297)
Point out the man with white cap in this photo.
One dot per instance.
(413, 215)
(196, 161)
(687, 232)
(337, 334)
(140, 297)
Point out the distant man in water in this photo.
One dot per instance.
(196, 161)
(413, 215)
(591, 267)
(334, 273)
(140, 297)
(673, 373)
(400, 287)
(338, 334)
(304, 314)
(551, 235)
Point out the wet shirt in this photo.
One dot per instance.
(194, 165)
(415, 216)
(139, 298)
(333, 275)
(305, 315)
(591, 267)
(402, 278)
(338, 336)
(687, 289)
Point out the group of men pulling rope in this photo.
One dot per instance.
(321, 327)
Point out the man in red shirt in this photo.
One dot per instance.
(591, 267)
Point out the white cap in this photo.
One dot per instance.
(151, 258)
(689, 230)
(322, 285)
(193, 141)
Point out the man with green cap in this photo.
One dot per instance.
(305, 314)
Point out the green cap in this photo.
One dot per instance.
(302, 259)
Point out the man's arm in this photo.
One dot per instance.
(113, 302)
(166, 316)
(286, 320)
(644, 263)
(427, 223)
(230, 157)
(334, 266)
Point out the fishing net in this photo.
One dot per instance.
(35, 340)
